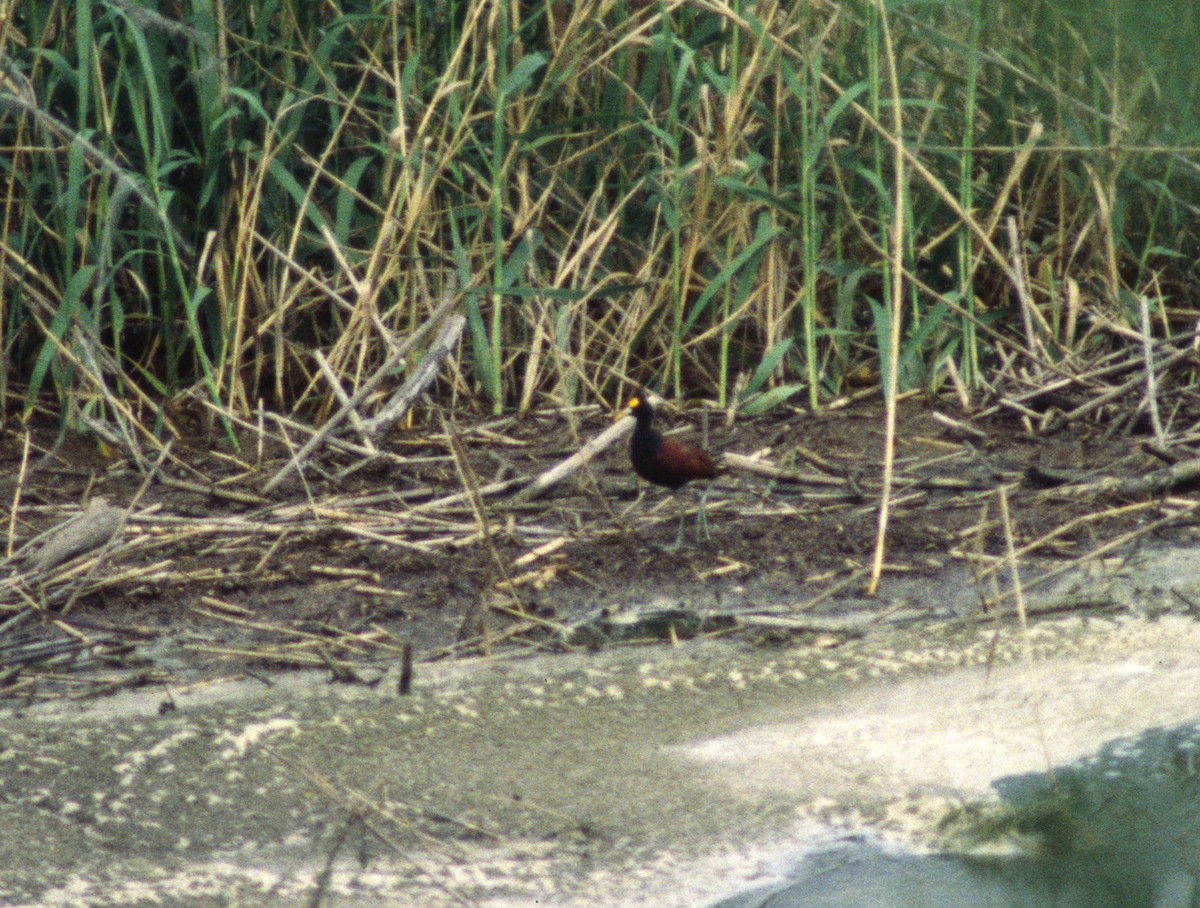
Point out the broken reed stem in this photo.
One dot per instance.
(567, 468)
(402, 400)
(470, 482)
(895, 326)
(449, 301)
(1148, 363)
(16, 504)
(335, 385)
(1027, 644)
(1020, 277)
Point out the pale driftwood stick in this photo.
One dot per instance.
(123, 518)
(1148, 365)
(744, 464)
(96, 525)
(495, 488)
(449, 301)
(402, 400)
(958, 426)
(568, 467)
(1158, 482)
(343, 398)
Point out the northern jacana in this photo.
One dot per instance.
(667, 462)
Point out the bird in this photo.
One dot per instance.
(667, 462)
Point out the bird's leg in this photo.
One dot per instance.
(702, 515)
(682, 517)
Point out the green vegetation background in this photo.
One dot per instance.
(716, 198)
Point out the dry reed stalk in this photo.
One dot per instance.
(277, 657)
(1018, 593)
(1029, 310)
(896, 234)
(402, 400)
(758, 467)
(1150, 400)
(567, 468)
(335, 385)
(215, 491)
(449, 301)
(22, 473)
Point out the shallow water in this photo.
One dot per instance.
(634, 776)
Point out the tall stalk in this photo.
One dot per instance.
(499, 189)
(969, 364)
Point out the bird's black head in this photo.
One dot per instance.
(639, 406)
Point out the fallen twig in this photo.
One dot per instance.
(576, 461)
(759, 467)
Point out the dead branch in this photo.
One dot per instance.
(401, 402)
(576, 461)
(449, 301)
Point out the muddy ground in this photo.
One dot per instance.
(345, 565)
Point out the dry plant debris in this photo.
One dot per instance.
(520, 501)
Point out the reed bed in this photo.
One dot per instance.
(741, 202)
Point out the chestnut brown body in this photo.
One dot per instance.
(667, 462)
